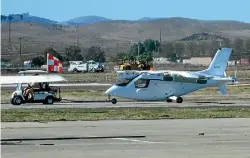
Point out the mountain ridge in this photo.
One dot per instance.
(117, 35)
(92, 19)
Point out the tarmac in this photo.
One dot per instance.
(191, 138)
(98, 104)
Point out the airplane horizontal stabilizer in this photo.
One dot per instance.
(223, 89)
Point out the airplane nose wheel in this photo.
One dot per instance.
(113, 101)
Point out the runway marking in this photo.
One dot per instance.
(141, 141)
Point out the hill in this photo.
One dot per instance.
(26, 17)
(202, 36)
(114, 36)
(148, 19)
(84, 20)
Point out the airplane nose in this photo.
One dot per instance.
(111, 90)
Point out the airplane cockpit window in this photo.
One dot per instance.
(123, 81)
(141, 83)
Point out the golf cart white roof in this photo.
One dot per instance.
(33, 72)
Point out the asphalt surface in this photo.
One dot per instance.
(92, 104)
(192, 138)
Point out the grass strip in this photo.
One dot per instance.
(121, 113)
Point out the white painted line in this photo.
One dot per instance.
(140, 141)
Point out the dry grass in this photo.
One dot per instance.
(113, 36)
(133, 113)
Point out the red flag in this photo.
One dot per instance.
(53, 64)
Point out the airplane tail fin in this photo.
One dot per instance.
(218, 65)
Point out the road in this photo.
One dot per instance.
(91, 104)
(193, 138)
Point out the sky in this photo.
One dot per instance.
(62, 10)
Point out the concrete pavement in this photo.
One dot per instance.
(98, 104)
(228, 138)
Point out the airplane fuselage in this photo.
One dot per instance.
(155, 89)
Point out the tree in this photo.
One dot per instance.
(204, 49)
(38, 61)
(227, 43)
(135, 47)
(168, 49)
(148, 56)
(21, 16)
(3, 17)
(247, 45)
(151, 45)
(73, 53)
(215, 45)
(121, 55)
(179, 50)
(238, 48)
(191, 49)
(96, 53)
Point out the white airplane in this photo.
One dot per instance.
(172, 85)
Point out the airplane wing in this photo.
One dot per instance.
(128, 74)
(194, 75)
(28, 79)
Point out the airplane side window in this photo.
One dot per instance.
(141, 83)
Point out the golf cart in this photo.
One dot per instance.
(45, 94)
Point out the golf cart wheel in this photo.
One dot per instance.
(17, 100)
(49, 100)
(113, 101)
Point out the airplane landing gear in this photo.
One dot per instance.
(169, 100)
(113, 101)
(179, 100)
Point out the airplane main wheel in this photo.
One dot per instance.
(179, 100)
(113, 101)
